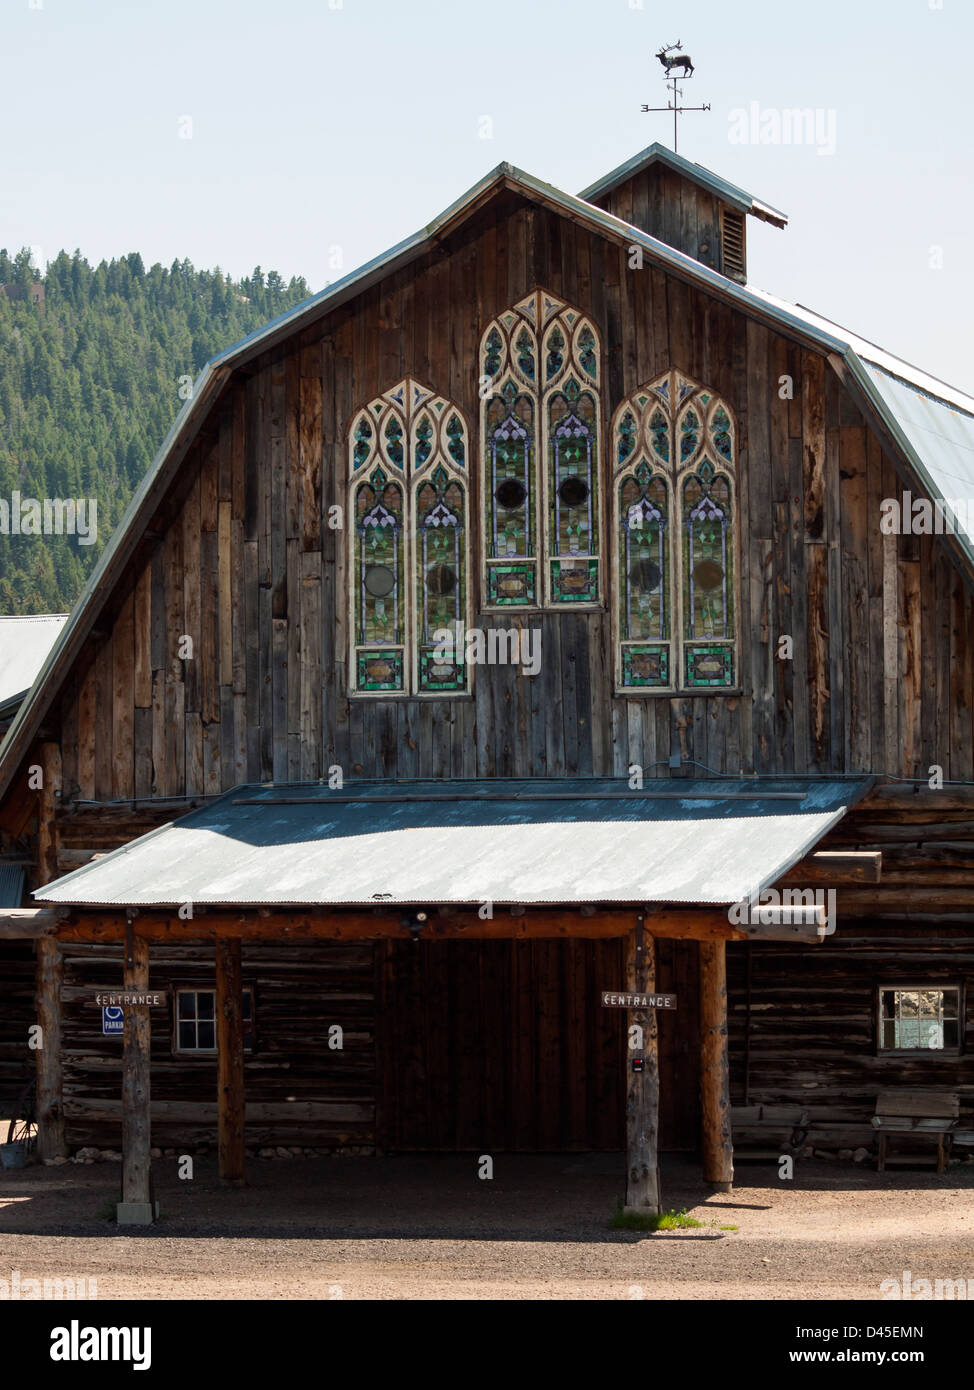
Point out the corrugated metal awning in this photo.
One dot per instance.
(572, 840)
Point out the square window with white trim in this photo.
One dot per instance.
(918, 1018)
(196, 1021)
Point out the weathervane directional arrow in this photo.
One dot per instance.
(680, 60)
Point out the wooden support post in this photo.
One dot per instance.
(136, 1207)
(50, 1115)
(230, 1059)
(642, 1087)
(718, 1149)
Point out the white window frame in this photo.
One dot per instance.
(247, 992)
(943, 990)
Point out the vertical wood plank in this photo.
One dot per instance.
(718, 1152)
(230, 1061)
(136, 1204)
(642, 1088)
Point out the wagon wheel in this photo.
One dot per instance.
(23, 1125)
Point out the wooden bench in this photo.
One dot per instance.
(920, 1115)
(768, 1131)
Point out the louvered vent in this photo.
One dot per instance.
(733, 262)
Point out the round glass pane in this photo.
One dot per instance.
(511, 493)
(440, 580)
(644, 576)
(573, 491)
(379, 580)
(707, 575)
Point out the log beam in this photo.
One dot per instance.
(136, 1207)
(717, 1144)
(301, 924)
(29, 923)
(642, 1087)
(51, 1141)
(836, 868)
(230, 1061)
(50, 968)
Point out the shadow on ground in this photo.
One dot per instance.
(440, 1196)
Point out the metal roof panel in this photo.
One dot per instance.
(525, 842)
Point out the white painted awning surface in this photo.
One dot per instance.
(546, 841)
(24, 645)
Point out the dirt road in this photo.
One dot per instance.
(429, 1228)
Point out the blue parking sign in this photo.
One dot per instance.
(112, 1019)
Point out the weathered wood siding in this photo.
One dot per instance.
(671, 208)
(245, 564)
(17, 1013)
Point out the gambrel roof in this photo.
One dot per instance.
(929, 423)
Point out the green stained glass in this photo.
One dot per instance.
(492, 352)
(689, 436)
(587, 355)
(644, 581)
(424, 442)
(555, 359)
(626, 437)
(379, 569)
(394, 445)
(720, 432)
(572, 472)
(362, 445)
(454, 434)
(440, 575)
(645, 666)
(509, 453)
(525, 353)
(659, 433)
(707, 557)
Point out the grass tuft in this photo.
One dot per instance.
(645, 1221)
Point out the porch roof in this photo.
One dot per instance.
(512, 841)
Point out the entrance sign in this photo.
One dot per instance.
(621, 999)
(130, 998)
(112, 1019)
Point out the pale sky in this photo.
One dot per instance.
(327, 130)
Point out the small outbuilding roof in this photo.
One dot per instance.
(696, 173)
(24, 645)
(525, 842)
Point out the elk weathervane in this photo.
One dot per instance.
(671, 58)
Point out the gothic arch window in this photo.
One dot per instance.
(409, 584)
(675, 530)
(540, 432)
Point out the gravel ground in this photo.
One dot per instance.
(428, 1228)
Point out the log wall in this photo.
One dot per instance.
(804, 1030)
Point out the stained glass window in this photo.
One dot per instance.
(675, 527)
(540, 430)
(409, 582)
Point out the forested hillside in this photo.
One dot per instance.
(89, 385)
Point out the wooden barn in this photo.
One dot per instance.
(537, 628)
